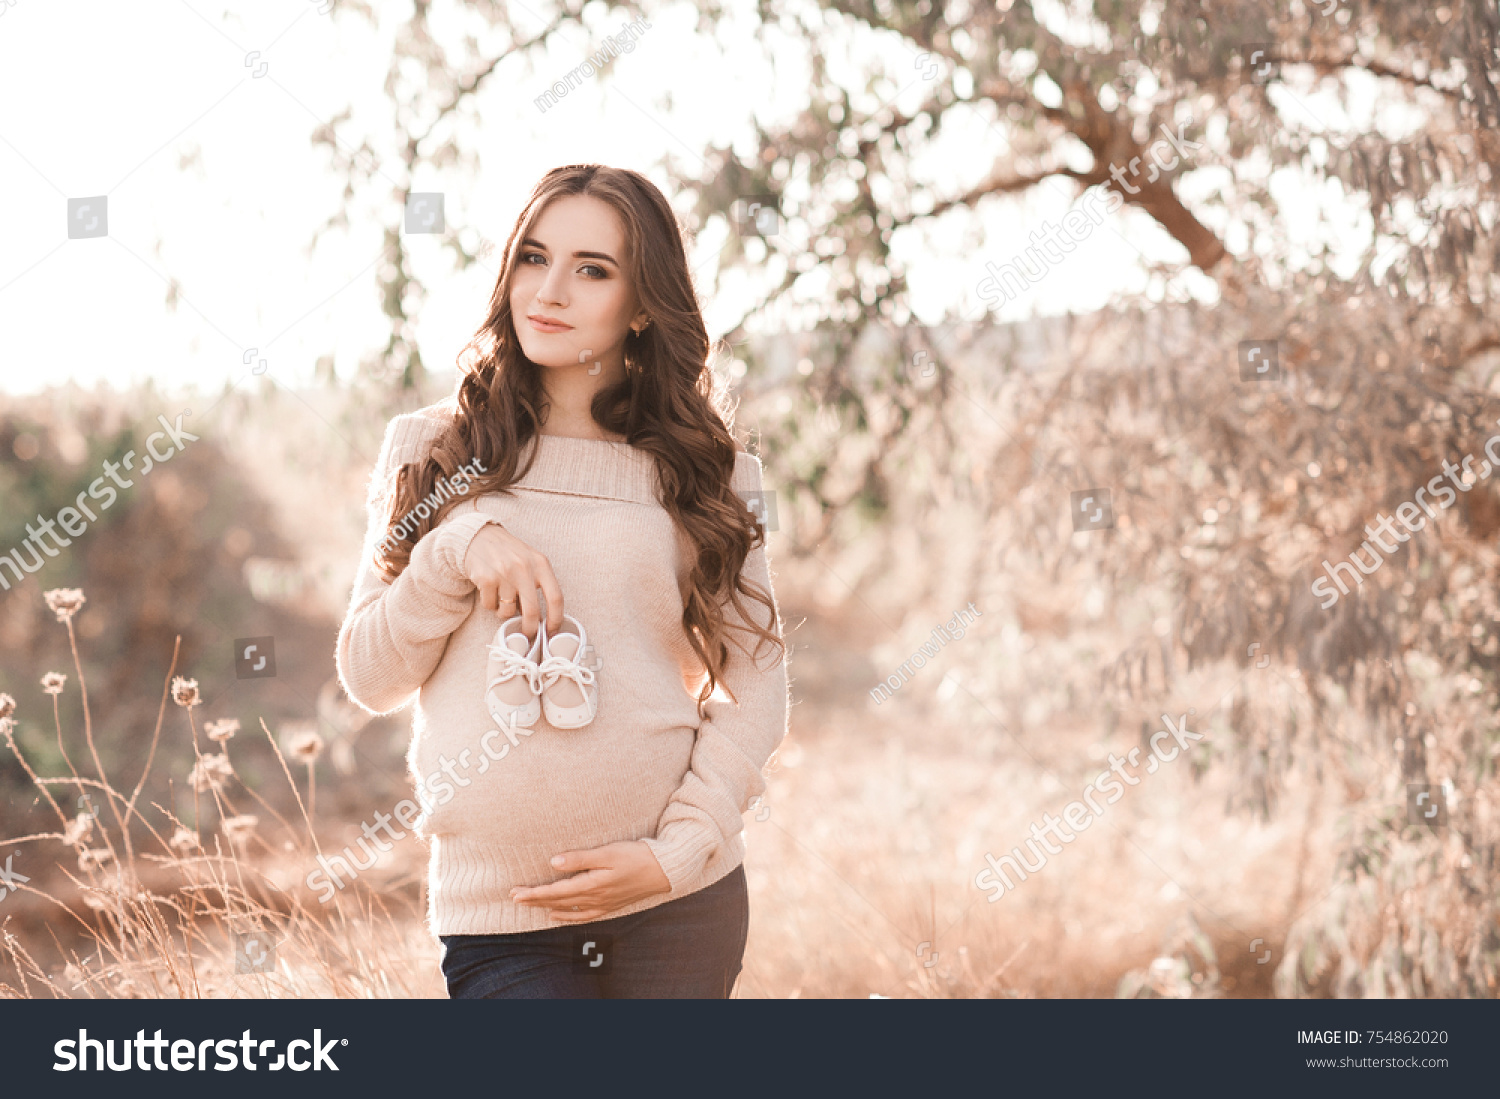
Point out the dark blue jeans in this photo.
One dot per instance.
(688, 948)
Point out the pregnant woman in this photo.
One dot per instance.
(562, 564)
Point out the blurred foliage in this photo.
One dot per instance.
(1231, 493)
(432, 84)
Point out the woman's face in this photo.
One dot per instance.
(570, 269)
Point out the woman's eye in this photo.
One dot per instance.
(592, 270)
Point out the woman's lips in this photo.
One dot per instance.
(544, 326)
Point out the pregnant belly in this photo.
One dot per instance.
(561, 788)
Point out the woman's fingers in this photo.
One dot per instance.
(583, 915)
(608, 857)
(581, 889)
(526, 603)
(533, 573)
(498, 597)
(508, 574)
(480, 565)
(547, 581)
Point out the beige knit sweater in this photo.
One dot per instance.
(496, 806)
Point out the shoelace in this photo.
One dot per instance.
(513, 664)
(556, 667)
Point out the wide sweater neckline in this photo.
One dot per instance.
(578, 466)
(600, 468)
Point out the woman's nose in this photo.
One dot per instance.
(553, 290)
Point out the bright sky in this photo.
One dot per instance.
(212, 182)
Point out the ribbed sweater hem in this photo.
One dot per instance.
(469, 887)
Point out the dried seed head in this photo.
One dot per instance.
(53, 682)
(64, 602)
(305, 746)
(90, 857)
(183, 841)
(185, 692)
(210, 773)
(237, 830)
(78, 829)
(220, 731)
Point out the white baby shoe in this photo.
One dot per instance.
(570, 697)
(513, 679)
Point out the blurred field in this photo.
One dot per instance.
(879, 818)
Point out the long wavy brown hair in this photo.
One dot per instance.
(670, 403)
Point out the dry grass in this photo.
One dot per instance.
(162, 920)
(861, 864)
(863, 850)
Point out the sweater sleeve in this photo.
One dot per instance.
(394, 633)
(734, 741)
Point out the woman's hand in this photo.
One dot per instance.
(604, 879)
(508, 572)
